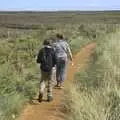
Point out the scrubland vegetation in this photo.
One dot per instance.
(95, 92)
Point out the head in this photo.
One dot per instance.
(47, 42)
(53, 39)
(59, 36)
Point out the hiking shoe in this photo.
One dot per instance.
(50, 98)
(40, 97)
(61, 87)
(57, 85)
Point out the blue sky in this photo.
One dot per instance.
(59, 5)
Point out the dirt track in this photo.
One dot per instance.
(50, 111)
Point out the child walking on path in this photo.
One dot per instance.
(47, 60)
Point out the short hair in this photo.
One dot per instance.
(47, 42)
(60, 36)
(53, 39)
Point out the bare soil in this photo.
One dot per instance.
(51, 110)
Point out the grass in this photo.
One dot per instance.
(19, 73)
(95, 93)
(32, 20)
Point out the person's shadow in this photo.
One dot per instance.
(35, 101)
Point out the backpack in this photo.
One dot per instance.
(47, 60)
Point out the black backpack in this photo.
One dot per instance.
(47, 59)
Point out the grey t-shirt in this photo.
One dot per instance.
(62, 49)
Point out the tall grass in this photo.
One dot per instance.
(19, 74)
(95, 93)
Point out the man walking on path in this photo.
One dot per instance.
(63, 54)
(46, 57)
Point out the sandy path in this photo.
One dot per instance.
(50, 111)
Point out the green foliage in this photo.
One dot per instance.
(95, 93)
(19, 73)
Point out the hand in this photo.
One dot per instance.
(72, 63)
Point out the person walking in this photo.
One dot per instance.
(63, 55)
(47, 60)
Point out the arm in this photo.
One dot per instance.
(39, 57)
(69, 52)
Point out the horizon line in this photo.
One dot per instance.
(58, 10)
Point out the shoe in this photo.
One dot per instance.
(50, 98)
(61, 86)
(40, 97)
(58, 85)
